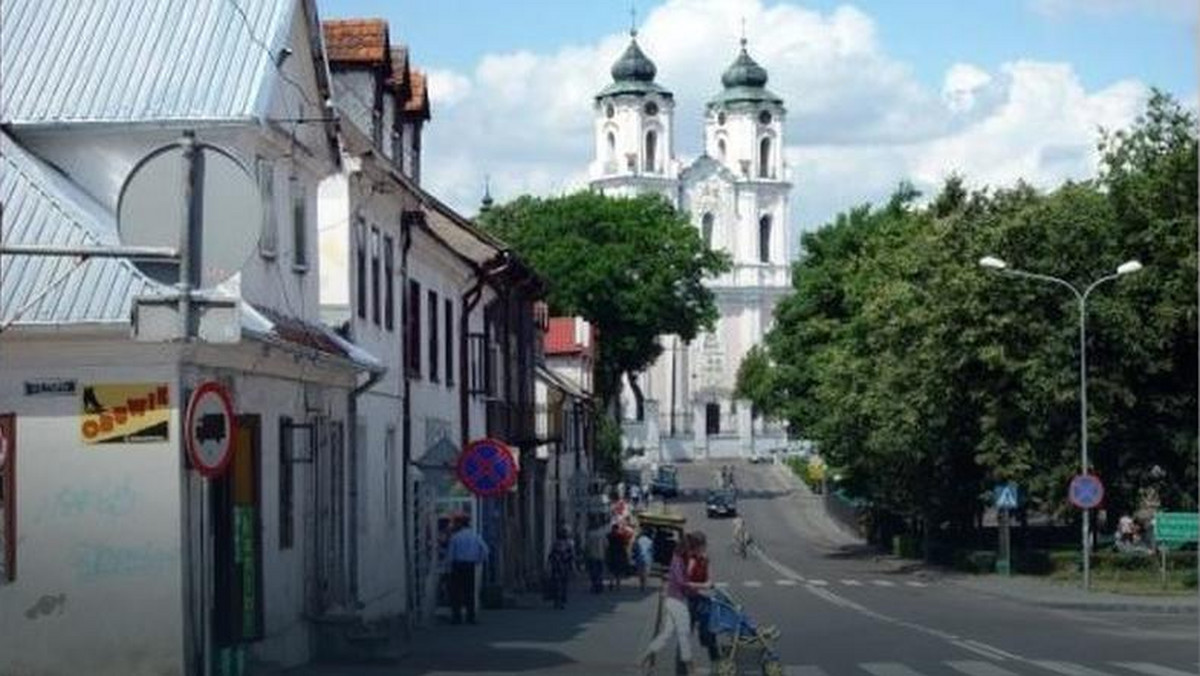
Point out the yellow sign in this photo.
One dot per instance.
(114, 413)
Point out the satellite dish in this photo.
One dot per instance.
(151, 211)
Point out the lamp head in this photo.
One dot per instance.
(992, 263)
(1129, 267)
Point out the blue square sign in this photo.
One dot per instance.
(1006, 496)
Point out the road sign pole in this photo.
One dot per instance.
(1083, 432)
(1004, 561)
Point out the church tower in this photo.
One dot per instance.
(634, 130)
(743, 131)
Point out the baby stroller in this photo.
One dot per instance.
(738, 633)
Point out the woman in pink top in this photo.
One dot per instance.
(676, 619)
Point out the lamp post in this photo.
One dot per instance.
(1126, 268)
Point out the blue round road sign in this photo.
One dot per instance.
(1086, 491)
(487, 467)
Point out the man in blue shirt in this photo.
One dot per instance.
(465, 550)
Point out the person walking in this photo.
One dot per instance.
(675, 618)
(594, 553)
(699, 605)
(466, 551)
(643, 557)
(617, 556)
(561, 562)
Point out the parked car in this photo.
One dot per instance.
(721, 502)
(666, 481)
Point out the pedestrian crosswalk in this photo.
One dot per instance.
(818, 582)
(989, 668)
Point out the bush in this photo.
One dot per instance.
(975, 561)
(1189, 579)
(1033, 562)
(906, 547)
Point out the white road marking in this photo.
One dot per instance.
(914, 583)
(752, 583)
(991, 648)
(721, 585)
(883, 583)
(888, 669)
(852, 583)
(1151, 669)
(1068, 669)
(818, 583)
(980, 650)
(979, 669)
(786, 583)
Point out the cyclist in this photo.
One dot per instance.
(741, 536)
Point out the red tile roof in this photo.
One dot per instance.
(356, 40)
(418, 96)
(560, 337)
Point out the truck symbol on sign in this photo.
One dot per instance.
(211, 428)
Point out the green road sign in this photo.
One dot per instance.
(1176, 528)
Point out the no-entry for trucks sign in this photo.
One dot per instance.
(209, 429)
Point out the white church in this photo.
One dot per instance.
(736, 193)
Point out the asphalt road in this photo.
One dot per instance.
(841, 610)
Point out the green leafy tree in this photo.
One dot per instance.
(634, 267)
(755, 384)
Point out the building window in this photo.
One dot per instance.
(449, 343)
(412, 321)
(706, 229)
(376, 314)
(435, 345)
(8, 501)
(389, 474)
(721, 149)
(299, 229)
(360, 266)
(612, 147)
(764, 239)
(764, 158)
(389, 283)
(287, 455)
(268, 236)
(651, 151)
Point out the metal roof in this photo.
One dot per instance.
(131, 60)
(42, 206)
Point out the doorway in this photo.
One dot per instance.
(237, 536)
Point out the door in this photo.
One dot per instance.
(237, 537)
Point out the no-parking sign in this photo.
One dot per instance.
(209, 429)
(487, 467)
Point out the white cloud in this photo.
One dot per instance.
(859, 120)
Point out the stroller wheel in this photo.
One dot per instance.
(728, 667)
(772, 668)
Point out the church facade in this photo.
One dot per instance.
(736, 193)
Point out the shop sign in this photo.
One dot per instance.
(54, 387)
(115, 413)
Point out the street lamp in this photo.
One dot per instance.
(1126, 268)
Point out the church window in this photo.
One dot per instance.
(764, 239)
(612, 146)
(721, 118)
(651, 151)
(764, 158)
(721, 149)
(706, 229)
(651, 108)
(609, 112)
(764, 117)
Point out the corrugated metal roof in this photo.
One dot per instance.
(132, 60)
(41, 206)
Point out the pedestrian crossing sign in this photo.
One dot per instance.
(1006, 496)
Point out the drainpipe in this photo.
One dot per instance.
(406, 416)
(470, 299)
(352, 413)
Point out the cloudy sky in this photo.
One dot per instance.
(877, 91)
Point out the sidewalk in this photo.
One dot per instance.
(1040, 592)
(531, 639)
(1021, 588)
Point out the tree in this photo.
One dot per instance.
(927, 380)
(633, 267)
(754, 382)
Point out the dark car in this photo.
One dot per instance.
(721, 503)
(666, 482)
